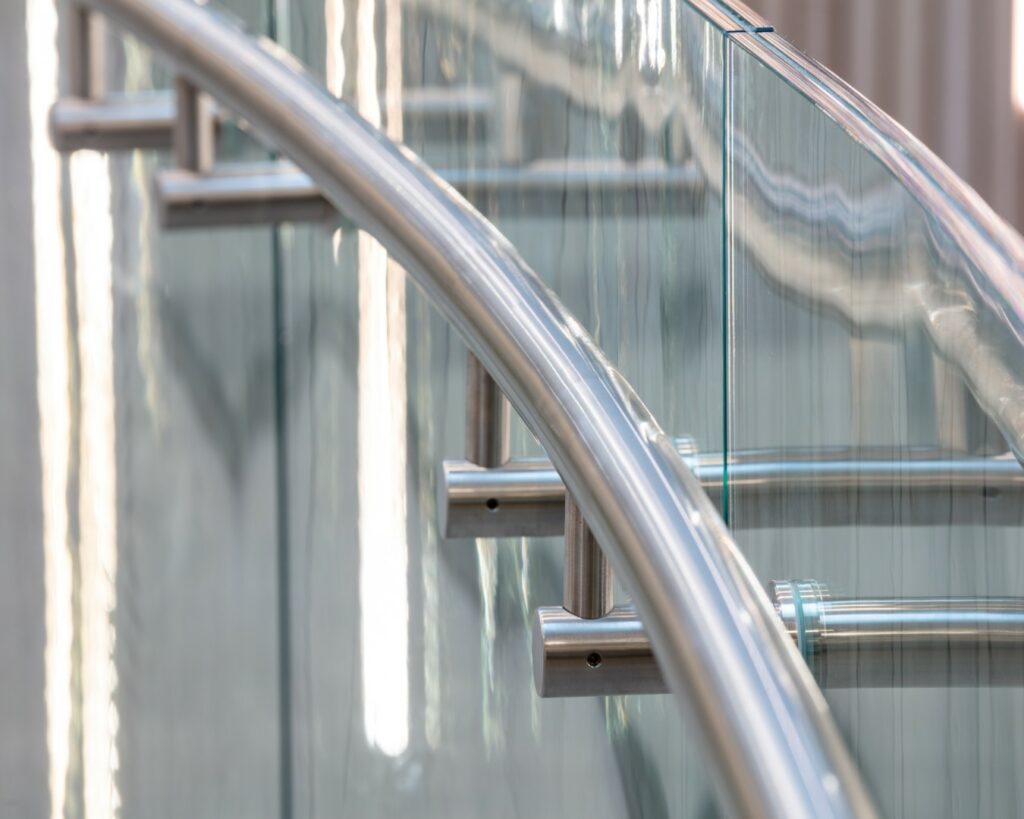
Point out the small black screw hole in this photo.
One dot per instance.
(594, 660)
(492, 504)
(990, 492)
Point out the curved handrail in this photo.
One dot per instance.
(773, 745)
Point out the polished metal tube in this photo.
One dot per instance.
(825, 488)
(771, 744)
(573, 657)
(588, 577)
(488, 417)
(195, 129)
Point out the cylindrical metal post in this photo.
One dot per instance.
(194, 128)
(87, 54)
(488, 417)
(588, 577)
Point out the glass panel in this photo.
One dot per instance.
(412, 688)
(155, 476)
(859, 344)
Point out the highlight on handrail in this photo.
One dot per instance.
(771, 741)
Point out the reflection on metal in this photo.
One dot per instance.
(821, 488)
(859, 643)
(53, 390)
(772, 744)
(237, 193)
(573, 657)
(588, 577)
(488, 418)
(381, 456)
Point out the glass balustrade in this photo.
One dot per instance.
(251, 606)
(859, 339)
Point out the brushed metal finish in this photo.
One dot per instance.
(587, 583)
(488, 417)
(772, 745)
(521, 498)
(593, 658)
(832, 487)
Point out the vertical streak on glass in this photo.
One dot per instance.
(383, 551)
(277, 29)
(283, 523)
(619, 32)
(487, 560)
(393, 78)
(728, 344)
(92, 227)
(334, 26)
(673, 29)
(52, 385)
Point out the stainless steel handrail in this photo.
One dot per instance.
(771, 741)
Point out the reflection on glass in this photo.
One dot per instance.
(857, 332)
(53, 385)
(92, 230)
(383, 550)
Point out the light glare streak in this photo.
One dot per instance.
(52, 385)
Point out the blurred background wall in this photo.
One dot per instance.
(943, 68)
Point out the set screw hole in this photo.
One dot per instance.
(594, 659)
(492, 504)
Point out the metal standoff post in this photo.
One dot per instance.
(195, 128)
(86, 32)
(588, 577)
(488, 416)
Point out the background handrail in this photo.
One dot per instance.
(772, 743)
